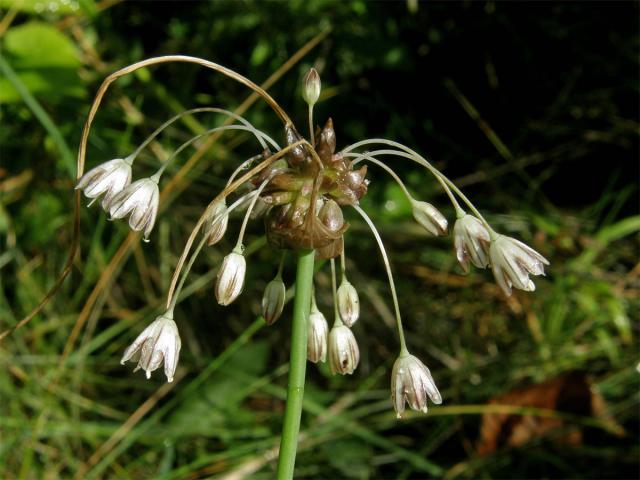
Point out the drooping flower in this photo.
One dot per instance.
(140, 201)
(230, 280)
(429, 217)
(317, 330)
(344, 355)
(471, 241)
(106, 180)
(348, 303)
(273, 300)
(512, 261)
(158, 342)
(411, 382)
(216, 224)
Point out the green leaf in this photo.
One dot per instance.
(45, 62)
(39, 45)
(60, 7)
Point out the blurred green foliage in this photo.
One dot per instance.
(533, 108)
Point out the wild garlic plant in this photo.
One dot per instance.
(300, 191)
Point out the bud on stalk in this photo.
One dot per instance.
(311, 87)
(230, 280)
(348, 303)
(273, 300)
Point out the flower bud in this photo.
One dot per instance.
(230, 278)
(429, 217)
(343, 350)
(348, 303)
(311, 87)
(411, 382)
(273, 300)
(317, 330)
(158, 342)
(216, 223)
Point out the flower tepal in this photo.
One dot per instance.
(317, 330)
(158, 342)
(471, 241)
(140, 201)
(106, 180)
(230, 279)
(411, 382)
(344, 354)
(512, 261)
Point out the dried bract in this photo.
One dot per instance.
(158, 342)
(411, 382)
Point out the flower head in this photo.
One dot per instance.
(140, 200)
(343, 350)
(230, 280)
(158, 342)
(429, 217)
(348, 303)
(471, 240)
(273, 300)
(512, 261)
(106, 179)
(317, 335)
(411, 382)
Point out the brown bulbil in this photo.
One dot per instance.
(306, 197)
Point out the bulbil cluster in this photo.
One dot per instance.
(305, 195)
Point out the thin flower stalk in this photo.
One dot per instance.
(392, 286)
(221, 196)
(260, 135)
(412, 155)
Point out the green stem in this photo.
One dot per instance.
(297, 365)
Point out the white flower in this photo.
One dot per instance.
(429, 217)
(230, 280)
(343, 350)
(158, 342)
(140, 199)
(106, 179)
(512, 261)
(216, 223)
(471, 240)
(411, 382)
(317, 330)
(348, 303)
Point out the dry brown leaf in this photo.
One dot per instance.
(571, 393)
